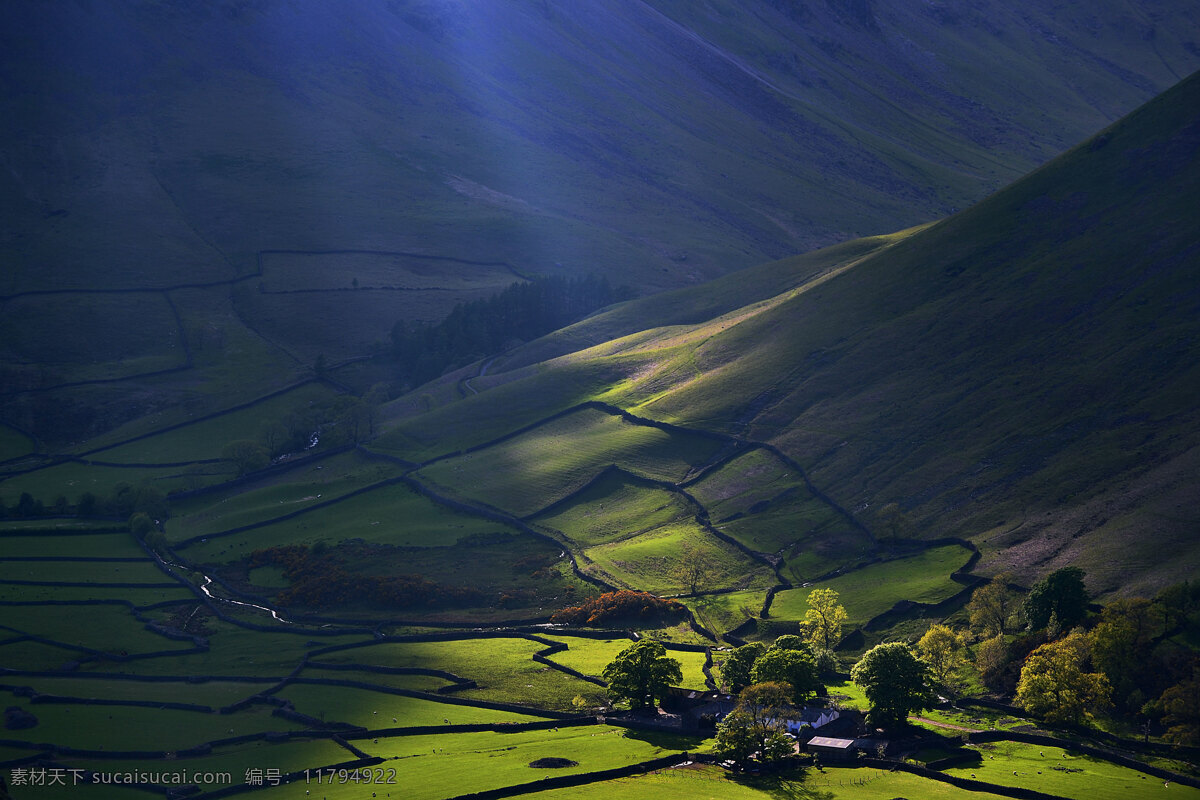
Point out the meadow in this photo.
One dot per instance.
(870, 591)
(534, 469)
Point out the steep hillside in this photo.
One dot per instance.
(327, 169)
(1022, 374)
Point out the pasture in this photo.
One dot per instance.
(1066, 774)
(503, 668)
(868, 592)
(590, 656)
(534, 469)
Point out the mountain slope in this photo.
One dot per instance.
(1022, 373)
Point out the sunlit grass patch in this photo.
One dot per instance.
(503, 668)
(713, 783)
(868, 592)
(374, 710)
(1059, 772)
(453, 764)
(546, 464)
(591, 656)
(614, 508)
(724, 612)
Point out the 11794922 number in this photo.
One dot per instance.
(378, 775)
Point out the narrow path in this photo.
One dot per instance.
(937, 724)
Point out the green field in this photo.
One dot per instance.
(712, 783)
(652, 561)
(205, 693)
(206, 439)
(591, 656)
(539, 467)
(614, 507)
(1055, 771)
(393, 515)
(84, 571)
(13, 443)
(264, 500)
(724, 612)
(503, 668)
(54, 543)
(375, 710)
(91, 727)
(872, 590)
(72, 479)
(443, 766)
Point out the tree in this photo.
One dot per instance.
(1061, 595)
(794, 668)
(1121, 642)
(1053, 684)
(991, 659)
(790, 641)
(757, 724)
(735, 739)
(141, 525)
(992, 606)
(895, 681)
(641, 673)
(695, 568)
(1180, 708)
(942, 650)
(735, 671)
(248, 456)
(824, 619)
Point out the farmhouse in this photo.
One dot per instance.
(828, 748)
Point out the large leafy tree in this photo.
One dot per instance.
(1060, 598)
(1054, 685)
(735, 670)
(824, 619)
(1121, 644)
(992, 606)
(942, 650)
(757, 724)
(641, 673)
(795, 668)
(895, 681)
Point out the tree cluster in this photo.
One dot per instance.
(345, 419)
(788, 661)
(621, 606)
(1070, 665)
(756, 728)
(522, 311)
(319, 580)
(123, 501)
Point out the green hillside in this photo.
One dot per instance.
(1021, 374)
(201, 199)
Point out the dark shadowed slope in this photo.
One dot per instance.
(1023, 373)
